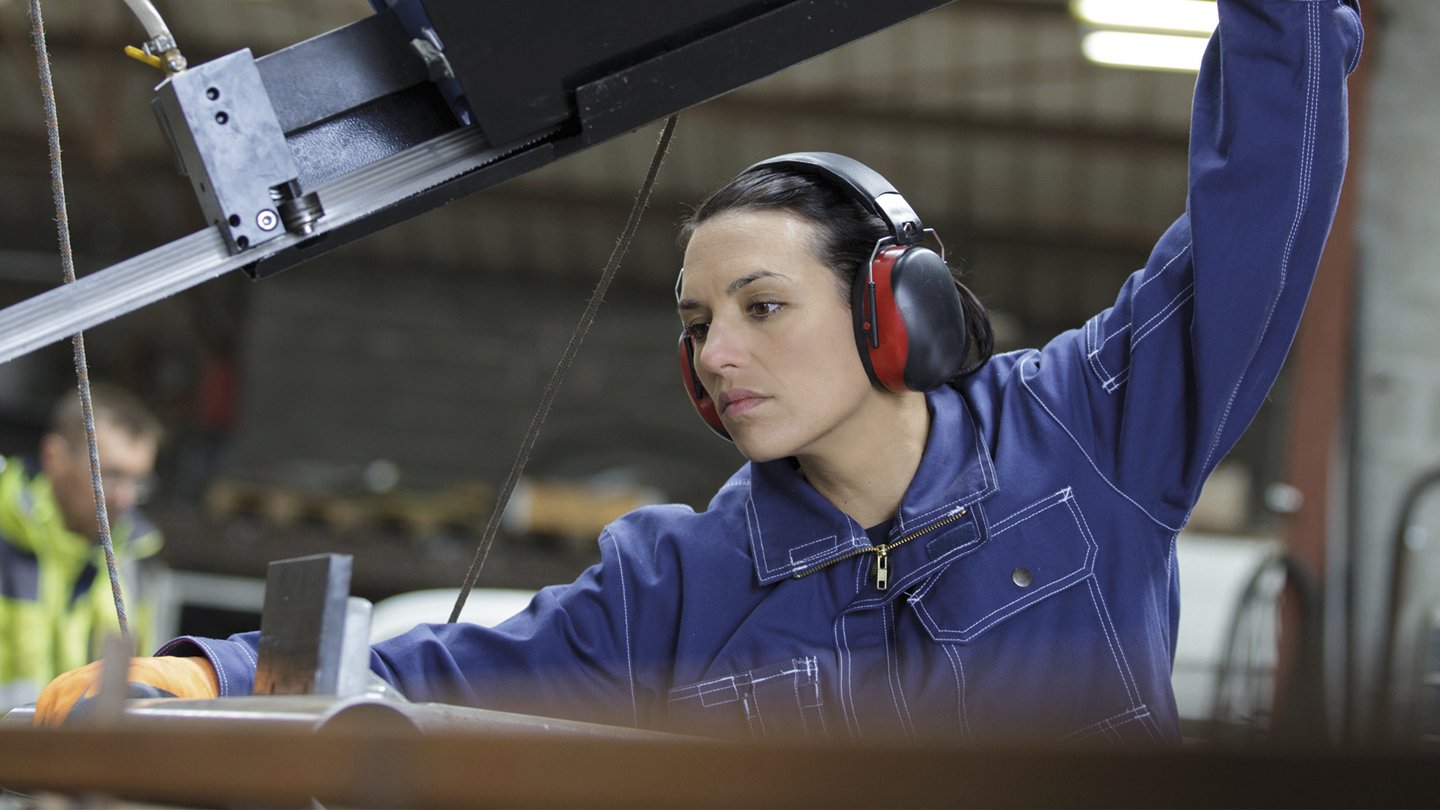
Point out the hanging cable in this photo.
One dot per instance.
(67, 263)
(642, 199)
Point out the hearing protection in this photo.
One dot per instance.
(908, 320)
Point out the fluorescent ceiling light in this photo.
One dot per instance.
(1187, 16)
(1153, 51)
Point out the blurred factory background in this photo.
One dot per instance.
(371, 401)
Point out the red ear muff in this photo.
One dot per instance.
(909, 321)
(695, 390)
(880, 332)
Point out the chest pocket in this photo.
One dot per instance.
(1034, 647)
(1029, 556)
(778, 701)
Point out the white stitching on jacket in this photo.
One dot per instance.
(625, 612)
(1307, 158)
(1086, 454)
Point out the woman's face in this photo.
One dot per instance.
(774, 344)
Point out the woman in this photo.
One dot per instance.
(988, 559)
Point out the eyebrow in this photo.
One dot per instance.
(738, 284)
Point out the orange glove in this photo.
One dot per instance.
(189, 677)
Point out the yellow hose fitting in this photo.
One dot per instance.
(140, 56)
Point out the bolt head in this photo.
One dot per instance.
(267, 220)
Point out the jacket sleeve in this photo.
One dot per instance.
(1156, 389)
(571, 653)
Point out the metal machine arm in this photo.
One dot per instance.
(370, 139)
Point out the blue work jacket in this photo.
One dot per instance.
(1032, 589)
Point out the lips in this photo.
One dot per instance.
(738, 400)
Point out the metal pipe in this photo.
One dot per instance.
(323, 713)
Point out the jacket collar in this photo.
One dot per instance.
(792, 528)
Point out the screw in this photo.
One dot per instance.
(267, 220)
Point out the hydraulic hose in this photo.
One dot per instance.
(155, 27)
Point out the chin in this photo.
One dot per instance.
(758, 457)
(761, 449)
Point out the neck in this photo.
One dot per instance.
(865, 469)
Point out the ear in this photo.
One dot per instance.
(54, 453)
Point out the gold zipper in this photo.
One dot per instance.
(882, 551)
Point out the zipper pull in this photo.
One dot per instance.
(882, 568)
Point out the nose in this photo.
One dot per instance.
(124, 491)
(120, 498)
(722, 349)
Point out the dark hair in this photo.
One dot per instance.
(847, 233)
(109, 403)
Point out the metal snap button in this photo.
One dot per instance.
(1020, 577)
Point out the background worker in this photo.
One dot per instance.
(55, 598)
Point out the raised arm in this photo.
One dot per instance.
(1156, 389)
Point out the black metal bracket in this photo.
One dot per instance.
(548, 77)
(220, 123)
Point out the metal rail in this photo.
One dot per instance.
(323, 714)
(186, 262)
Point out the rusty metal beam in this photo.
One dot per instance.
(245, 765)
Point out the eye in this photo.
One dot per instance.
(764, 309)
(696, 331)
